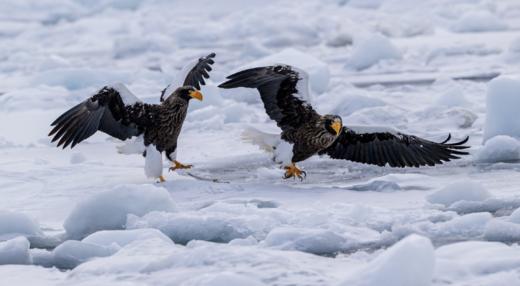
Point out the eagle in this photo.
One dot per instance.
(284, 90)
(115, 111)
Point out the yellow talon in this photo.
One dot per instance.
(293, 172)
(178, 165)
(162, 179)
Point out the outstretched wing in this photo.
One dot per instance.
(106, 111)
(281, 91)
(395, 149)
(193, 74)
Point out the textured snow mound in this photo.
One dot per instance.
(503, 231)
(465, 260)
(42, 257)
(515, 216)
(77, 158)
(470, 226)
(478, 21)
(365, 4)
(122, 238)
(134, 257)
(78, 78)
(72, 253)
(317, 241)
(410, 262)
(451, 93)
(503, 99)
(16, 224)
(500, 148)
(15, 251)
(459, 191)
(103, 243)
(371, 50)
(222, 279)
(30, 98)
(514, 47)
(108, 210)
(512, 55)
(211, 226)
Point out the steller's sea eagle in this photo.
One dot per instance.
(283, 90)
(115, 111)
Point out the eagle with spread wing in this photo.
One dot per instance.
(115, 111)
(283, 90)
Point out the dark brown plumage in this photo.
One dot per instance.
(283, 89)
(106, 112)
(115, 111)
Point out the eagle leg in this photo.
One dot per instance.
(162, 179)
(178, 165)
(293, 172)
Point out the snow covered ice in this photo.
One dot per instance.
(16, 224)
(89, 216)
(371, 50)
(409, 262)
(108, 210)
(15, 251)
(459, 191)
(479, 21)
(501, 148)
(501, 113)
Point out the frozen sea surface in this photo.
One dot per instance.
(89, 216)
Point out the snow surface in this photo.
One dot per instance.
(15, 251)
(72, 253)
(515, 216)
(410, 262)
(123, 237)
(108, 210)
(372, 49)
(89, 216)
(17, 224)
(459, 191)
(479, 21)
(465, 260)
(500, 148)
(501, 113)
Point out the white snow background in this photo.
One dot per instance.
(89, 216)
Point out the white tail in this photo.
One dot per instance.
(266, 141)
(271, 143)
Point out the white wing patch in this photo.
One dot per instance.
(126, 95)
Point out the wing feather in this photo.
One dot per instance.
(278, 87)
(96, 113)
(394, 149)
(193, 74)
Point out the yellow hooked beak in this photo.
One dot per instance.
(196, 94)
(336, 125)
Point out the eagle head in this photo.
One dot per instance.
(185, 92)
(332, 123)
